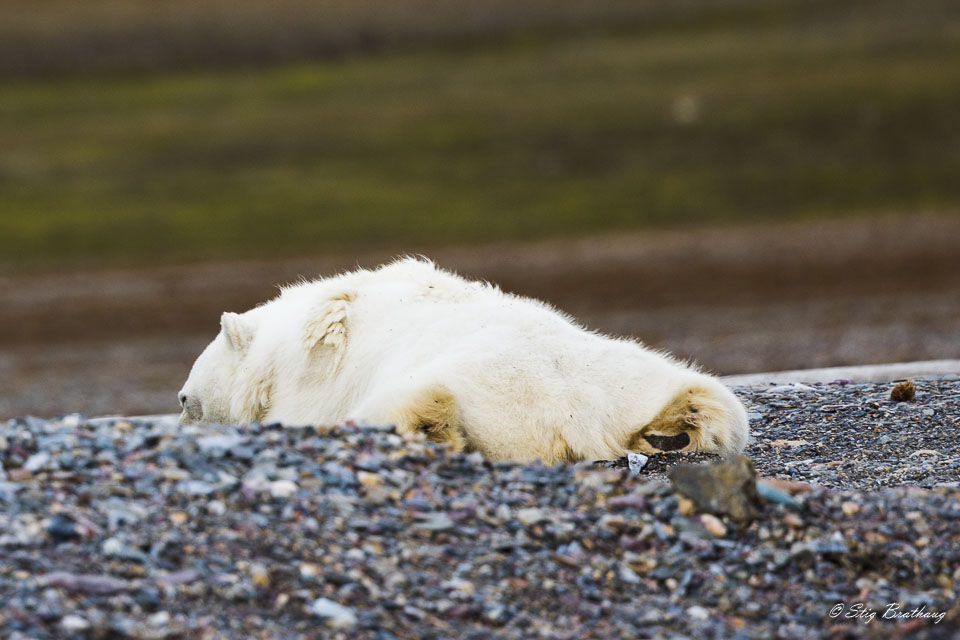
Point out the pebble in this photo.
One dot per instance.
(697, 612)
(849, 508)
(793, 521)
(530, 516)
(713, 524)
(74, 623)
(436, 522)
(159, 619)
(37, 461)
(62, 529)
(636, 463)
(282, 488)
(773, 494)
(259, 576)
(336, 616)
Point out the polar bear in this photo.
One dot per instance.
(412, 345)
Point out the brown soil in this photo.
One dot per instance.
(766, 297)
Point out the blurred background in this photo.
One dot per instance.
(754, 184)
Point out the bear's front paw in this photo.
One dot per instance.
(697, 419)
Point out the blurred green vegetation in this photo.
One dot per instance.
(724, 112)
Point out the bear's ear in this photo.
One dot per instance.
(237, 330)
(326, 328)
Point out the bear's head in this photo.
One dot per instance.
(215, 389)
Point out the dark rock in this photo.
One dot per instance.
(63, 529)
(727, 487)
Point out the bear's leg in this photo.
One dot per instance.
(694, 420)
(431, 410)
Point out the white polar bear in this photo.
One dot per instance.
(426, 350)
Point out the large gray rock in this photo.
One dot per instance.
(728, 487)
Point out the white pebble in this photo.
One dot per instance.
(503, 512)
(628, 575)
(336, 615)
(71, 421)
(530, 516)
(111, 546)
(216, 508)
(159, 619)
(698, 613)
(74, 623)
(282, 488)
(37, 461)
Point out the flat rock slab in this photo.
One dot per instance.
(140, 529)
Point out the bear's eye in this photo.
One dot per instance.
(183, 400)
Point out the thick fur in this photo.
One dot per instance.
(412, 345)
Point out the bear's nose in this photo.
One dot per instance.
(183, 400)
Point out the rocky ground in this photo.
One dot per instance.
(140, 529)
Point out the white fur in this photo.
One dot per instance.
(523, 381)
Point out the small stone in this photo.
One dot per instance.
(788, 443)
(282, 488)
(197, 488)
(686, 506)
(792, 520)
(309, 571)
(464, 587)
(74, 623)
(184, 576)
(259, 576)
(111, 546)
(614, 522)
(37, 461)
(334, 614)
(71, 421)
(629, 501)
(63, 529)
(713, 524)
(628, 575)
(178, 517)
(793, 487)
(771, 493)
(530, 516)
(903, 392)
(368, 479)
(216, 508)
(850, 508)
(435, 521)
(218, 445)
(256, 481)
(503, 512)
(697, 612)
(636, 462)
(159, 619)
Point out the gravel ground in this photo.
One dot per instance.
(135, 528)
